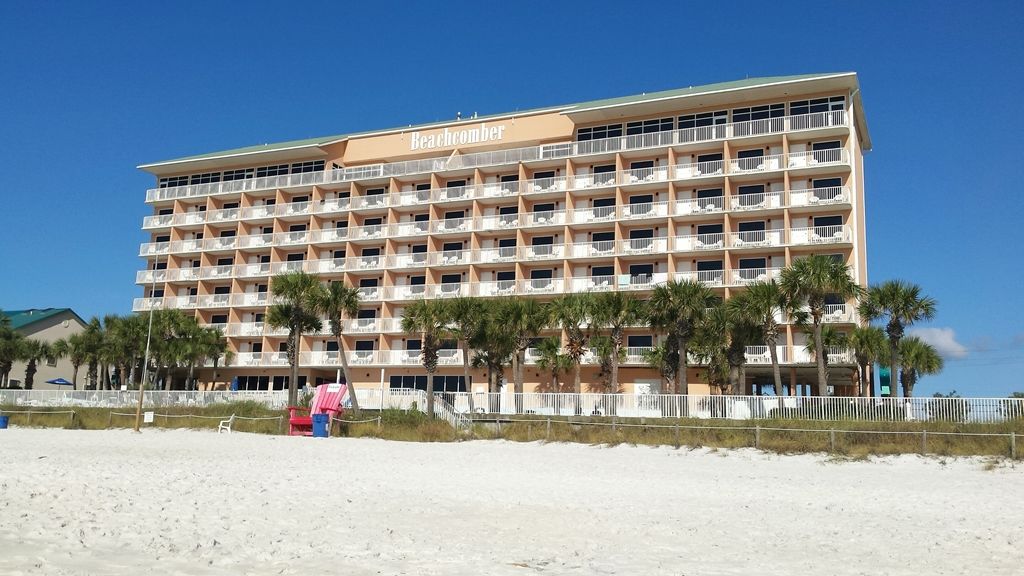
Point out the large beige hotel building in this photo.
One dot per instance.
(725, 183)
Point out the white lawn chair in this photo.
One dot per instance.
(225, 425)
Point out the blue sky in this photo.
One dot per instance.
(89, 91)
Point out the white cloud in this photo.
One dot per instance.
(943, 339)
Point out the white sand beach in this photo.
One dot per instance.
(189, 502)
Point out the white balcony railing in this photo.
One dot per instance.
(745, 276)
(757, 201)
(765, 163)
(699, 242)
(820, 196)
(542, 252)
(594, 214)
(644, 210)
(836, 234)
(707, 205)
(708, 277)
(816, 121)
(755, 238)
(814, 158)
(643, 246)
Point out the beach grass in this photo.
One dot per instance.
(844, 438)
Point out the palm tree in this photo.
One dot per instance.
(665, 359)
(428, 319)
(830, 338)
(763, 303)
(677, 308)
(810, 281)
(466, 318)
(338, 302)
(127, 337)
(570, 312)
(615, 312)
(74, 349)
(551, 359)
(868, 344)
(710, 344)
(919, 358)
(494, 347)
(32, 351)
(93, 335)
(11, 343)
(296, 295)
(524, 318)
(902, 304)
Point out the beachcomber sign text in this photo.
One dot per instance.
(447, 138)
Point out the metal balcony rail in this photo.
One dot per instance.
(836, 234)
(511, 156)
(820, 196)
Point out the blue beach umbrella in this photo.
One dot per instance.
(59, 382)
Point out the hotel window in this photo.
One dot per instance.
(311, 166)
(771, 116)
(230, 205)
(828, 188)
(641, 239)
(752, 268)
(750, 196)
(641, 272)
(165, 211)
(207, 178)
(544, 274)
(365, 345)
(331, 346)
(242, 174)
(639, 341)
(373, 221)
(174, 181)
(258, 317)
(157, 293)
(751, 232)
(368, 282)
(607, 174)
(454, 215)
(261, 288)
(366, 313)
(295, 257)
(162, 265)
(716, 157)
(713, 193)
(817, 105)
(827, 151)
(599, 132)
(452, 246)
(703, 229)
(507, 248)
(193, 291)
(602, 242)
(225, 261)
(451, 279)
(703, 119)
(598, 271)
(228, 233)
(710, 270)
(829, 223)
(162, 239)
(649, 126)
(277, 170)
(370, 252)
(750, 159)
(219, 319)
(508, 210)
(375, 192)
(505, 276)
(338, 254)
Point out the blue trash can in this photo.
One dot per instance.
(3, 422)
(321, 425)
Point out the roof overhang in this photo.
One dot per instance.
(270, 155)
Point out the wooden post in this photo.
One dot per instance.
(1013, 444)
(757, 437)
(677, 434)
(29, 418)
(110, 419)
(280, 426)
(379, 423)
(924, 442)
(832, 439)
(615, 428)
(529, 431)
(547, 433)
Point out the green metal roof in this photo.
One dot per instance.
(22, 318)
(567, 108)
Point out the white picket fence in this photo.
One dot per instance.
(455, 406)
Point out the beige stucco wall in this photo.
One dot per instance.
(50, 330)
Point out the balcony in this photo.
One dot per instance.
(757, 164)
(755, 239)
(542, 252)
(413, 260)
(450, 258)
(370, 293)
(594, 214)
(498, 222)
(268, 359)
(708, 205)
(353, 263)
(835, 355)
(838, 234)
(540, 286)
(215, 272)
(761, 355)
(256, 299)
(643, 176)
(496, 255)
(257, 212)
(820, 196)
(293, 209)
(410, 228)
(328, 235)
(291, 238)
(225, 215)
(636, 246)
(711, 278)
(745, 276)
(544, 218)
(255, 270)
(411, 198)
(685, 136)
(222, 243)
(285, 267)
(456, 193)
(372, 201)
(451, 226)
(325, 266)
(692, 170)
(544, 185)
(643, 210)
(600, 249)
(370, 232)
(829, 157)
(757, 201)
(256, 241)
(699, 242)
(213, 301)
(496, 288)
(600, 180)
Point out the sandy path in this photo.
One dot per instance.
(183, 502)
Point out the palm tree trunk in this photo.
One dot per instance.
(191, 371)
(861, 378)
(776, 371)
(682, 385)
(894, 369)
(466, 376)
(430, 394)
(871, 380)
(820, 359)
(343, 354)
(74, 376)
